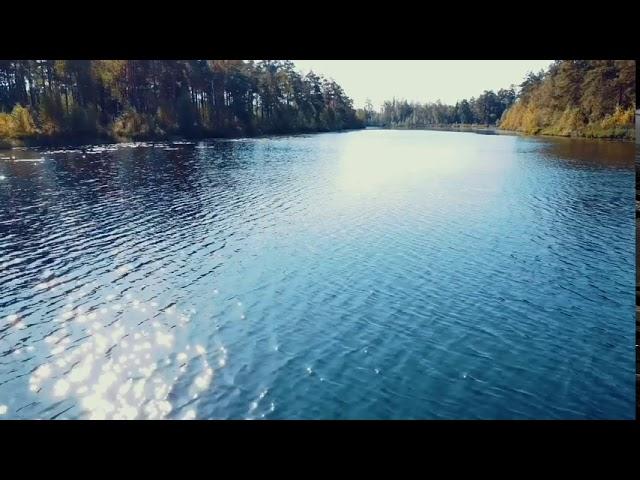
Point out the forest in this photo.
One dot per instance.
(70, 100)
(44, 101)
(487, 109)
(585, 98)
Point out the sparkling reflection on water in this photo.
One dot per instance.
(374, 274)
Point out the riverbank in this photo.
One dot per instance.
(592, 132)
(621, 134)
(78, 140)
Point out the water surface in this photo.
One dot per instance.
(372, 274)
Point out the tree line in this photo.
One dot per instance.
(148, 99)
(589, 98)
(486, 109)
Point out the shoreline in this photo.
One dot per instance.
(68, 141)
(489, 130)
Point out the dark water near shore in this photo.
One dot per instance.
(371, 274)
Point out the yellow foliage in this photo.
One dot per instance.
(18, 124)
(6, 125)
(131, 124)
(25, 126)
(49, 127)
(522, 118)
(570, 121)
(577, 98)
(619, 118)
(110, 73)
(532, 119)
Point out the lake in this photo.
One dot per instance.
(372, 274)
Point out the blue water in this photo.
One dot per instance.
(373, 274)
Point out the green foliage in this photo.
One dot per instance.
(51, 115)
(590, 98)
(131, 125)
(84, 121)
(187, 115)
(487, 109)
(152, 98)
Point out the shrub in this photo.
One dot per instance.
(131, 125)
(6, 126)
(18, 124)
(620, 117)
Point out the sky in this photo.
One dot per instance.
(420, 80)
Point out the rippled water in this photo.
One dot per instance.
(372, 274)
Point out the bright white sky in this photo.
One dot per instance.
(421, 80)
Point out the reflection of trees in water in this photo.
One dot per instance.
(604, 195)
(586, 200)
(74, 210)
(590, 153)
(608, 193)
(131, 181)
(580, 201)
(175, 182)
